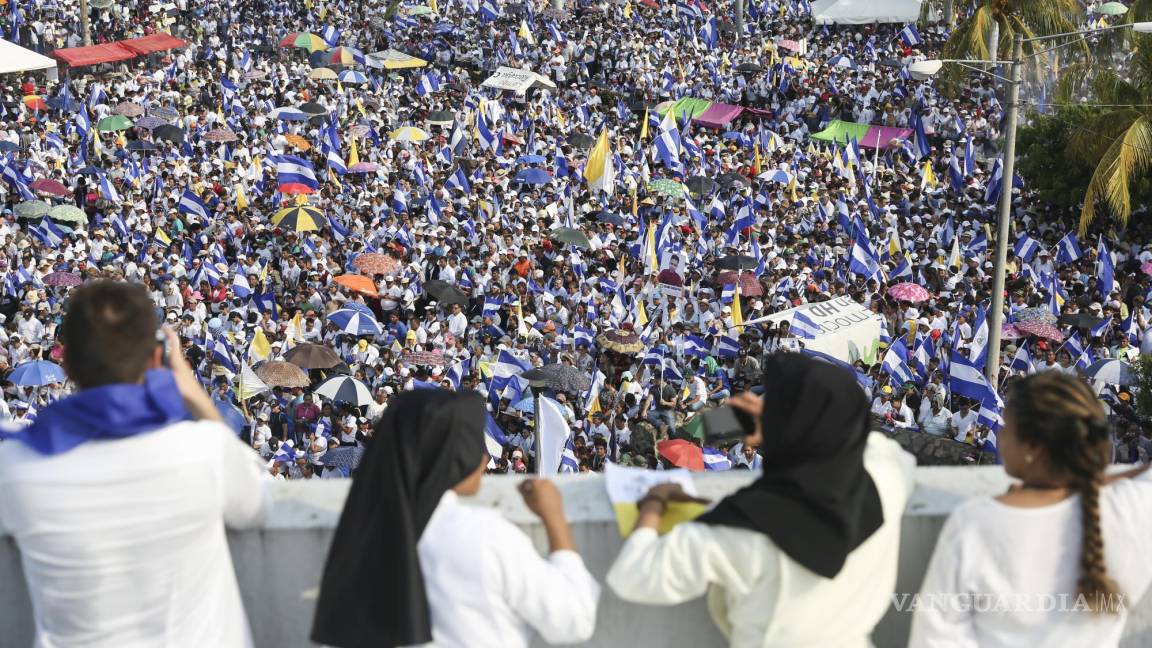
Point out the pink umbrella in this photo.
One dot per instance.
(57, 188)
(1042, 329)
(1146, 268)
(909, 292)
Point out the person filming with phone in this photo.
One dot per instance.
(805, 555)
(118, 495)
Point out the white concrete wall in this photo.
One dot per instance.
(279, 565)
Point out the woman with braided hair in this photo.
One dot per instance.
(1060, 558)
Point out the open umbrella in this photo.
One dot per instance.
(359, 283)
(35, 103)
(345, 390)
(62, 279)
(681, 453)
(129, 109)
(1111, 9)
(300, 218)
(37, 374)
(408, 134)
(276, 373)
(312, 109)
(621, 341)
(167, 114)
(312, 356)
(323, 74)
(1080, 320)
(775, 175)
(615, 220)
(560, 377)
(534, 176)
(113, 123)
(909, 292)
(355, 322)
(354, 77)
(426, 358)
(701, 185)
(1035, 314)
(148, 122)
(288, 113)
(666, 187)
(344, 459)
(364, 167)
(580, 140)
(737, 262)
(298, 142)
(304, 40)
(68, 214)
(571, 236)
(375, 263)
(1041, 329)
(440, 118)
(732, 179)
(220, 135)
(168, 132)
(139, 145)
(749, 68)
(32, 209)
(1111, 371)
(50, 187)
(1010, 332)
(344, 56)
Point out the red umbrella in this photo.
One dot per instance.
(749, 287)
(909, 292)
(51, 187)
(682, 453)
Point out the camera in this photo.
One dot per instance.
(727, 424)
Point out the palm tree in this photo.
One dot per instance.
(986, 33)
(1117, 138)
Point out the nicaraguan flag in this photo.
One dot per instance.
(804, 327)
(1068, 249)
(1026, 247)
(190, 203)
(909, 36)
(716, 460)
(295, 175)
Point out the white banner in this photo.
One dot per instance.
(517, 80)
(848, 330)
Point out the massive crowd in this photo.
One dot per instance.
(304, 211)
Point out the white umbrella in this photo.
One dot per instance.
(1112, 372)
(346, 390)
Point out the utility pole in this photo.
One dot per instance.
(85, 28)
(739, 22)
(1004, 218)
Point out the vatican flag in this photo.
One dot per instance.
(260, 349)
(600, 171)
(525, 34)
(241, 198)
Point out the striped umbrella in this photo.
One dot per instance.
(355, 322)
(301, 218)
(353, 76)
(345, 56)
(304, 40)
(408, 134)
(345, 390)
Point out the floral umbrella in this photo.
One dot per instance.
(749, 287)
(1010, 332)
(282, 374)
(1035, 314)
(62, 279)
(910, 292)
(375, 263)
(426, 358)
(1041, 329)
(621, 341)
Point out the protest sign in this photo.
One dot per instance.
(848, 330)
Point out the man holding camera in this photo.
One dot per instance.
(118, 495)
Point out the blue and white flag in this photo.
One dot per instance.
(1105, 271)
(190, 203)
(804, 327)
(428, 84)
(1022, 361)
(966, 379)
(716, 460)
(863, 260)
(1026, 247)
(909, 36)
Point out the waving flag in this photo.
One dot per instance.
(909, 36)
(1105, 271)
(1022, 361)
(716, 460)
(863, 260)
(1068, 249)
(428, 84)
(295, 175)
(804, 327)
(190, 203)
(1026, 247)
(600, 171)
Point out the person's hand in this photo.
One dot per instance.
(542, 498)
(753, 406)
(198, 402)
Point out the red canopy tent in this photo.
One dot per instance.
(94, 54)
(153, 43)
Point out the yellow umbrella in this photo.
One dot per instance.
(408, 134)
(322, 74)
(302, 218)
(391, 59)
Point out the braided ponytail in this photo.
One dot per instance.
(1062, 414)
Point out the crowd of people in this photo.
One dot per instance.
(288, 197)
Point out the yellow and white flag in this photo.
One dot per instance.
(260, 349)
(600, 172)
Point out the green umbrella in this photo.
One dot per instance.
(32, 209)
(571, 236)
(420, 11)
(666, 187)
(68, 213)
(1112, 9)
(114, 123)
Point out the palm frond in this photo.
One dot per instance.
(1129, 155)
(1094, 135)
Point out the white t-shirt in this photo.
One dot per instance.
(123, 543)
(1002, 552)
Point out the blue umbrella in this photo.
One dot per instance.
(288, 113)
(533, 177)
(352, 76)
(91, 170)
(355, 322)
(345, 390)
(531, 159)
(841, 62)
(141, 145)
(8, 146)
(357, 306)
(66, 104)
(609, 217)
(37, 374)
(528, 406)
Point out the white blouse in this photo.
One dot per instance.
(759, 596)
(487, 586)
(1006, 576)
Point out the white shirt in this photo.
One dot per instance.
(123, 542)
(763, 598)
(487, 586)
(991, 548)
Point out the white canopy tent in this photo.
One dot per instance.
(859, 12)
(14, 58)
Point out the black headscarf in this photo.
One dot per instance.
(372, 592)
(815, 500)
